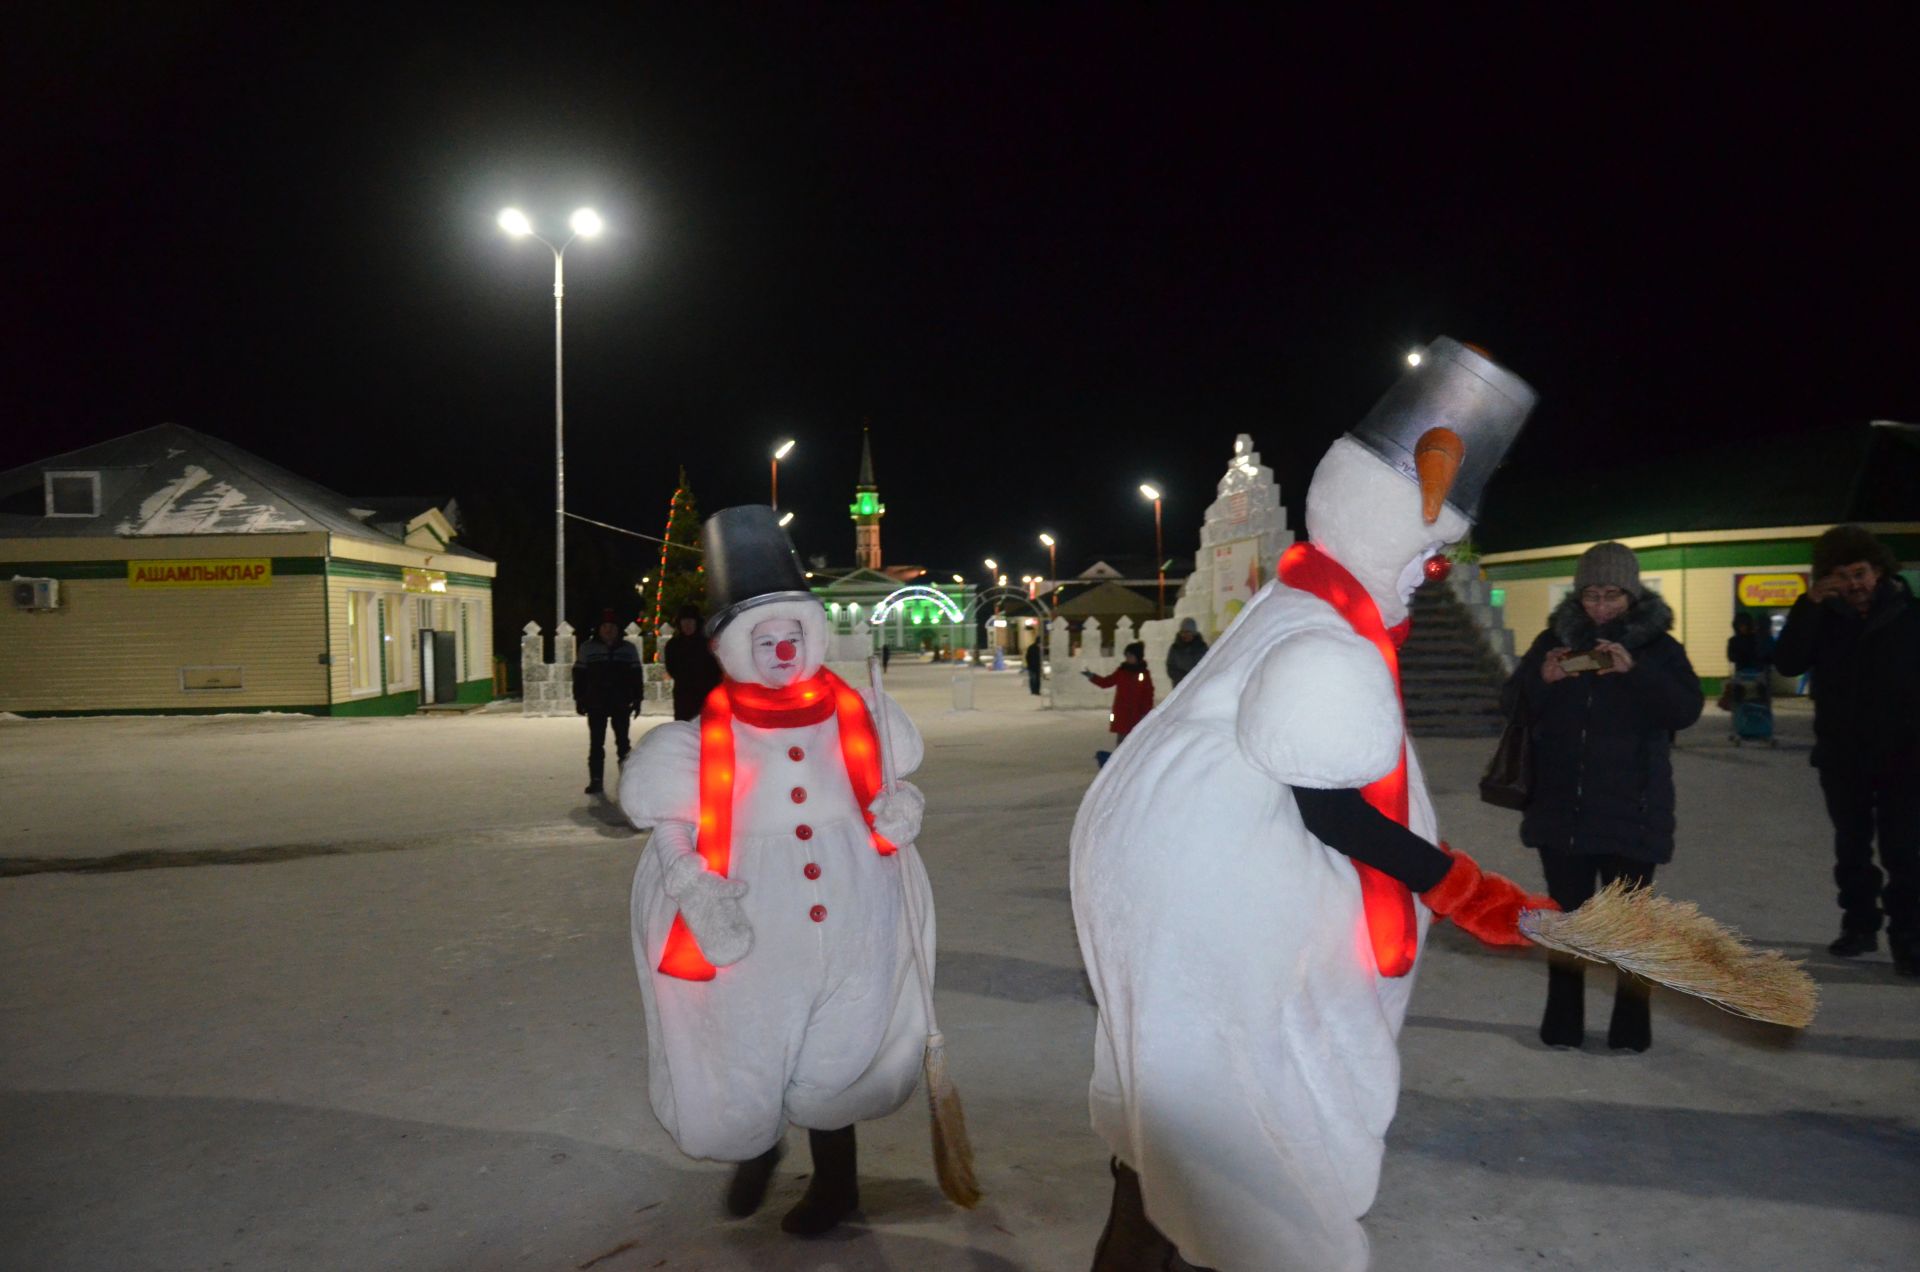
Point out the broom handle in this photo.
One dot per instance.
(914, 922)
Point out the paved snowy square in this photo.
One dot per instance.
(406, 1034)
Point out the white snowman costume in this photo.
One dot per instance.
(1246, 1062)
(820, 1022)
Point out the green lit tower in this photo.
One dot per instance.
(867, 510)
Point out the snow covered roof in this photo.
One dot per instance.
(172, 480)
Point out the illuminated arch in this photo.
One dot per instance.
(917, 592)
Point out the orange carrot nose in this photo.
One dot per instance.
(1437, 456)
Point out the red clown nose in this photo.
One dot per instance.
(785, 651)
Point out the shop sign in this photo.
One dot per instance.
(1769, 591)
(412, 580)
(250, 572)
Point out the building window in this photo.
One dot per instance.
(397, 642)
(363, 643)
(73, 494)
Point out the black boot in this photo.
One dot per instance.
(1565, 1021)
(750, 1180)
(834, 1192)
(1632, 1026)
(1130, 1242)
(1854, 944)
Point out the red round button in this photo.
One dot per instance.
(799, 794)
(795, 753)
(803, 832)
(812, 871)
(818, 914)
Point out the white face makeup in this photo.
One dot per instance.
(779, 646)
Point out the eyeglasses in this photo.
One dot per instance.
(1602, 595)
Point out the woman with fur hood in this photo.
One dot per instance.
(1602, 805)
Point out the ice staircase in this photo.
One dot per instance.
(1450, 672)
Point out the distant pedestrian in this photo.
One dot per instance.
(1033, 660)
(691, 666)
(1857, 631)
(1603, 689)
(606, 690)
(1132, 686)
(1187, 651)
(886, 656)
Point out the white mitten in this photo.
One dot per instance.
(711, 906)
(897, 813)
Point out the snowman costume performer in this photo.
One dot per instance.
(1245, 871)
(768, 927)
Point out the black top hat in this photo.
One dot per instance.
(1454, 386)
(750, 563)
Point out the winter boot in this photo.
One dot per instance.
(1854, 944)
(1565, 1022)
(834, 1192)
(1130, 1242)
(1632, 1026)
(750, 1180)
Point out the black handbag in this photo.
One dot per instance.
(1508, 781)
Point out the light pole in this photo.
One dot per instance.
(1053, 572)
(779, 453)
(1159, 555)
(585, 223)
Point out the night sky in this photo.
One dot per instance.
(1049, 253)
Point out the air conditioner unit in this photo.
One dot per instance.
(36, 594)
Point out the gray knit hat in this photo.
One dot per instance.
(1609, 565)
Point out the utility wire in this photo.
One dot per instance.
(650, 538)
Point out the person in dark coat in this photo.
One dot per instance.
(690, 664)
(1033, 658)
(1857, 631)
(606, 690)
(1186, 652)
(1602, 806)
(1132, 686)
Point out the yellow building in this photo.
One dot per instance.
(1734, 532)
(170, 572)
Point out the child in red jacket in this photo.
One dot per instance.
(1132, 686)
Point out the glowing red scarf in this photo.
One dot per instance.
(1391, 925)
(802, 703)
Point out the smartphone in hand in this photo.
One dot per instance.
(1587, 660)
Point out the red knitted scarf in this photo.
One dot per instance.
(1391, 925)
(802, 703)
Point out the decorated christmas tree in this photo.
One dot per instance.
(682, 579)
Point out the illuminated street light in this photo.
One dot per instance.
(958, 579)
(1159, 553)
(786, 521)
(993, 566)
(779, 453)
(1413, 358)
(585, 223)
(1053, 570)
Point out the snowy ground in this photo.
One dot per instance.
(407, 1035)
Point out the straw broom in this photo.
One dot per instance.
(952, 1151)
(1671, 943)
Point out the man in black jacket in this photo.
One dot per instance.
(606, 690)
(1857, 631)
(690, 664)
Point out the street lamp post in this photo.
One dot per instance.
(779, 453)
(585, 223)
(1159, 554)
(1053, 573)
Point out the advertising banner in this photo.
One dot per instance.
(1768, 591)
